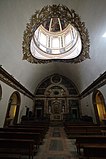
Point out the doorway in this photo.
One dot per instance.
(39, 113)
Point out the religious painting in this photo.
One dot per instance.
(55, 25)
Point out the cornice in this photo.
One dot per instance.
(12, 82)
(99, 82)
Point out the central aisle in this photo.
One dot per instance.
(57, 146)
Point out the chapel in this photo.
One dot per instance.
(53, 79)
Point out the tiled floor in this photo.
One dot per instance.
(57, 146)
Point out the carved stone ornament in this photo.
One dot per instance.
(54, 11)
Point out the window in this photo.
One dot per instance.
(13, 109)
(0, 92)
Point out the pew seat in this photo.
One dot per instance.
(10, 156)
(39, 133)
(73, 131)
(93, 140)
(93, 151)
(17, 147)
(22, 135)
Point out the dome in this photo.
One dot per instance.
(56, 39)
(55, 34)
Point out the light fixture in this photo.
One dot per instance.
(55, 34)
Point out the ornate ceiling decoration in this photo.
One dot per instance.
(63, 14)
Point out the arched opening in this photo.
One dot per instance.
(57, 99)
(13, 109)
(99, 107)
(0, 92)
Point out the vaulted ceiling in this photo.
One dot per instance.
(15, 14)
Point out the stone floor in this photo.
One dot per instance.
(57, 146)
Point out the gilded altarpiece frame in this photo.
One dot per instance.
(57, 91)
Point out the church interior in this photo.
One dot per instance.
(53, 79)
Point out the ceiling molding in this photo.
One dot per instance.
(12, 82)
(99, 82)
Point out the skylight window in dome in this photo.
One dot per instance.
(55, 34)
(42, 39)
(67, 38)
(55, 43)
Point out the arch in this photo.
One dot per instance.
(56, 79)
(13, 109)
(99, 106)
(56, 91)
(0, 92)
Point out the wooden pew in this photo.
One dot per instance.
(24, 132)
(81, 141)
(10, 156)
(28, 130)
(93, 151)
(22, 135)
(73, 131)
(29, 125)
(34, 124)
(38, 129)
(17, 147)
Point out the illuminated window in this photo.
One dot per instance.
(0, 92)
(50, 41)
